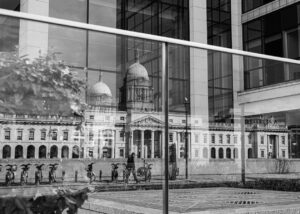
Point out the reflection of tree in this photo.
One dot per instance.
(40, 86)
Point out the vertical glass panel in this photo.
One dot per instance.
(10, 5)
(252, 4)
(209, 120)
(219, 23)
(65, 9)
(9, 35)
(261, 72)
(167, 18)
(220, 86)
(83, 109)
(104, 12)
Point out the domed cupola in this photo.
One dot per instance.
(100, 94)
(137, 71)
(137, 92)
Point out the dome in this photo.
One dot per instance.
(137, 71)
(100, 89)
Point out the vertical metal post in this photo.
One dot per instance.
(186, 102)
(243, 159)
(290, 144)
(87, 47)
(165, 95)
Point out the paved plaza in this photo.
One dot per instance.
(199, 200)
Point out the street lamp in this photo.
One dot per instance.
(186, 104)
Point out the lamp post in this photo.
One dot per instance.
(186, 104)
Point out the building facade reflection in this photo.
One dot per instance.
(110, 132)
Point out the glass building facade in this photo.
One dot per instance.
(220, 65)
(165, 18)
(249, 5)
(273, 34)
(75, 95)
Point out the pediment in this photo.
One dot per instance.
(148, 121)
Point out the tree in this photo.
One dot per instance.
(40, 86)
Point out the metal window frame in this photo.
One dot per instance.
(162, 39)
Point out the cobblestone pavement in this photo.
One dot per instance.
(224, 200)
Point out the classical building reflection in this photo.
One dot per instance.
(114, 130)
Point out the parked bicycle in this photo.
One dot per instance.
(114, 172)
(90, 174)
(38, 174)
(10, 174)
(145, 171)
(24, 173)
(126, 173)
(52, 174)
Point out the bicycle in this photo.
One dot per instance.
(38, 174)
(114, 172)
(90, 174)
(145, 171)
(24, 174)
(52, 174)
(126, 173)
(10, 175)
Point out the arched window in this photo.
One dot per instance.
(228, 153)
(6, 153)
(42, 152)
(236, 153)
(205, 153)
(75, 152)
(53, 152)
(19, 152)
(249, 153)
(65, 152)
(30, 151)
(213, 153)
(221, 153)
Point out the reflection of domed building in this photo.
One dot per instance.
(100, 94)
(134, 127)
(137, 92)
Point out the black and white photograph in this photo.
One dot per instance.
(149, 106)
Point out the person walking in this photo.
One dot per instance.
(131, 167)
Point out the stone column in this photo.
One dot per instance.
(36, 152)
(142, 144)
(217, 152)
(59, 148)
(136, 149)
(152, 144)
(178, 145)
(238, 67)
(145, 152)
(33, 35)
(47, 151)
(190, 145)
(162, 137)
(131, 142)
(13, 151)
(99, 148)
(70, 152)
(198, 63)
(113, 145)
(1, 152)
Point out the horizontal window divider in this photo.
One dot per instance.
(109, 30)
